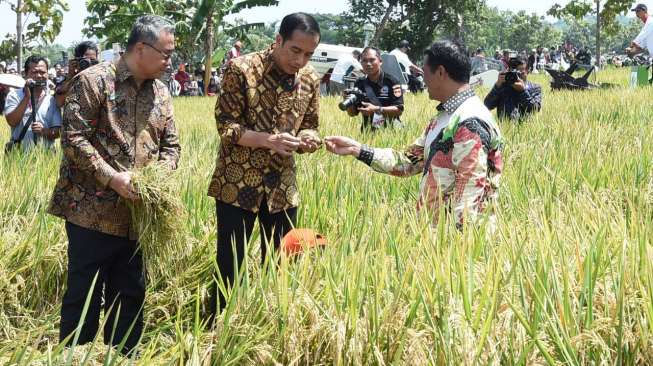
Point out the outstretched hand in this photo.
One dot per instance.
(341, 145)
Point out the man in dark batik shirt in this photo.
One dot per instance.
(266, 112)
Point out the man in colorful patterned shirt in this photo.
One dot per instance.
(266, 112)
(458, 155)
(117, 117)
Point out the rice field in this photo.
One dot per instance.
(567, 278)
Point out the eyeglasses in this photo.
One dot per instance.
(166, 56)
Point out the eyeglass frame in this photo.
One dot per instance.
(166, 57)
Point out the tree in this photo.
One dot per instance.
(415, 20)
(605, 19)
(195, 23)
(48, 18)
(212, 12)
(112, 20)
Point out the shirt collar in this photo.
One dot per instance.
(271, 66)
(453, 103)
(122, 71)
(380, 81)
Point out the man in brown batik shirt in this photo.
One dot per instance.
(266, 112)
(117, 117)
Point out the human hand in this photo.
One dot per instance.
(501, 80)
(73, 68)
(283, 144)
(519, 85)
(309, 143)
(121, 183)
(341, 145)
(27, 90)
(368, 109)
(39, 129)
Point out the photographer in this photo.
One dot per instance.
(18, 108)
(512, 95)
(86, 55)
(380, 100)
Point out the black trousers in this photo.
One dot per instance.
(119, 271)
(235, 226)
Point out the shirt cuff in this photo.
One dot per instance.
(104, 173)
(366, 154)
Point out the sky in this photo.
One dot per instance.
(74, 19)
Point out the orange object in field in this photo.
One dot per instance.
(297, 239)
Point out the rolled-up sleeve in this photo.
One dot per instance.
(80, 119)
(230, 106)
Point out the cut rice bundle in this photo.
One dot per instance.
(159, 218)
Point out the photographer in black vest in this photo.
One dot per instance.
(377, 96)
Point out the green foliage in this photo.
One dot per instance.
(582, 32)
(414, 20)
(581, 8)
(336, 29)
(42, 22)
(112, 20)
(494, 29)
(8, 48)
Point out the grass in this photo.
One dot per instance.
(566, 278)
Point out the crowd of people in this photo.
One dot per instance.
(115, 116)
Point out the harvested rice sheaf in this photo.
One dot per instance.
(159, 218)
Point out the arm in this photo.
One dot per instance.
(389, 161)
(401, 164)
(530, 100)
(15, 109)
(639, 41)
(230, 116)
(53, 131)
(81, 111)
(396, 107)
(308, 128)
(169, 148)
(492, 99)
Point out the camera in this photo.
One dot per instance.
(84, 63)
(37, 83)
(353, 97)
(513, 76)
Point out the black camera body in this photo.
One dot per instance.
(37, 83)
(512, 76)
(84, 63)
(353, 97)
